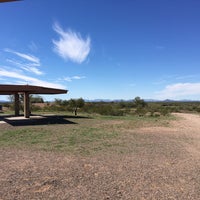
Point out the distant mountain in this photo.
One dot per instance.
(146, 100)
(188, 100)
(171, 100)
(168, 100)
(106, 100)
(151, 100)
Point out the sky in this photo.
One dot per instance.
(103, 49)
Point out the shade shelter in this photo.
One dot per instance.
(4, 1)
(26, 90)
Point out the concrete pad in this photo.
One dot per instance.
(24, 118)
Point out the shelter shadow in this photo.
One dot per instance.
(41, 120)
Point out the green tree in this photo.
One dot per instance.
(75, 104)
(138, 102)
(36, 99)
(140, 105)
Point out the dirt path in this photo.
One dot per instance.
(165, 166)
(190, 127)
(188, 121)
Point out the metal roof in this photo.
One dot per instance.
(13, 89)
(3, 1)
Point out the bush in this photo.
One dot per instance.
(109, 110)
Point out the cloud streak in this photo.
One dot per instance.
(179, 90)
(69, 79)
(29, 67)
(27, 79)
(28, 57)
(26, 62)
(71, 45)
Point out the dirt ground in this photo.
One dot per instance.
(171, 170)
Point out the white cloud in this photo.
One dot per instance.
(28, 57)
(179, 90)
(27, 79)
(78, 77)
(71, 45)
(69, 79)
(26, 62)
(30, 67)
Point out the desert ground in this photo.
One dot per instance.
(144, 161)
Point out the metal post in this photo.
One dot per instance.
(16, 104)
(26, 105)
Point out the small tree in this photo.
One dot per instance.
(138, 102)
(36, 99)
(140, 105)
(75, 104)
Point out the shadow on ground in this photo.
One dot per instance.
(39, 120)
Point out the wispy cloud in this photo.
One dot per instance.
(24, 69)
(187, 77)
(160, 47)
(71, 45)
(26, 66)
(179, 90)
(26, 79)
(33, 47)
(27, 62)
(32, 70)
(169, 79)
(28, 57)
(69, 79)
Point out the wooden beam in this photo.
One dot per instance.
(16, 104)
(26, 105)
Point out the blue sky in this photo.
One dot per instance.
(103, 49)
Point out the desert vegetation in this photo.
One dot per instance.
(137, 107)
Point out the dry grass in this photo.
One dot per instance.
(84, 136)
(102, 158)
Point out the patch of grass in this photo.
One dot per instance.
(75, 140)
(88, 136)
(23, 137)
(132, 121)
(135, 118)
(85, 140)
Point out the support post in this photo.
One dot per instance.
(26, 105)
(16, 104)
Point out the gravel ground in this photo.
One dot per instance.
(170, 170)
